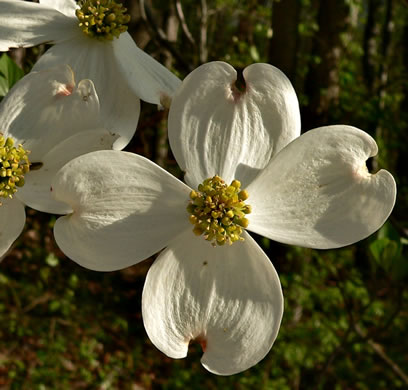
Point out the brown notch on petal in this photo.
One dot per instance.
(239, 87)
(200, 340)
(65, 89)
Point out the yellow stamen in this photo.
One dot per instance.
(218, 210)
(102, 19)
(14, 165)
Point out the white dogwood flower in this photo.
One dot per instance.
(91, 37)
(45, 121)
(247, 169)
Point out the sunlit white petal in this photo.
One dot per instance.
(94, 60)
(47, 107)
(317, 192)
(36, 191)
(67, 7)
(149, 79)
(229, 298)
(25, 24)
(126, 208)
(12, 220)
(215, 129)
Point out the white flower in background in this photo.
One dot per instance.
(246, 169)
(45, 121)
(91, 37)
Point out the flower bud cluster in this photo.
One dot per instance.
(13, 165)
(218, 211)
(102, 19)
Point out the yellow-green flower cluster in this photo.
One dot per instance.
(13, 165)
(217, 210)
(102, 19)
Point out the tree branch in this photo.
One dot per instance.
(159, 35)
(203, 32)
(379, 350)
(183, 23)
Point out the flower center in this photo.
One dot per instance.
(217, 211)
(13, 165)
(102, 19)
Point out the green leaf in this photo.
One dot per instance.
(389, 231)
(385, 252)
(10, 73)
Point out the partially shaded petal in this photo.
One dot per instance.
(149, 79)
(12, 221)
(36, 190)
(46, 107)
(317, 192)
(228, 298)
(26, 24)
(94, 60)
(126, 208)
(216, 130)
(66, 7)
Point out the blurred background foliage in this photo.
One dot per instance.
(346, 311)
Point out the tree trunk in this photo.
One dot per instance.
(322, 87)
(283, 46)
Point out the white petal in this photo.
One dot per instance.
(26, 24)
(12, 221)
(94, 60)
(149, 79)
(228, 298)
(318, 193)
(126, 208)
(215, 130)
(66, 7)
(36, 191)
(46, 107)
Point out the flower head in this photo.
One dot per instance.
(308, 190)
(218, 210)
(56, 125)
(91, 38)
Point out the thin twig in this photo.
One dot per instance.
(183, 23)
(159, 35)
(38, 301)
(379, 350)
(203, 32)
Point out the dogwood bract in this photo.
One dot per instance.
(91, 37)
(246, 169)
(45, 120)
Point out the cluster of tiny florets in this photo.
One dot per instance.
(102, 19)
(217, 211)
(14, 165)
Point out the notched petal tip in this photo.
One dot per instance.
(62, 79)
(63, 89)
(86, 89)
(361, 172)
(239, 87)
(201, 340)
